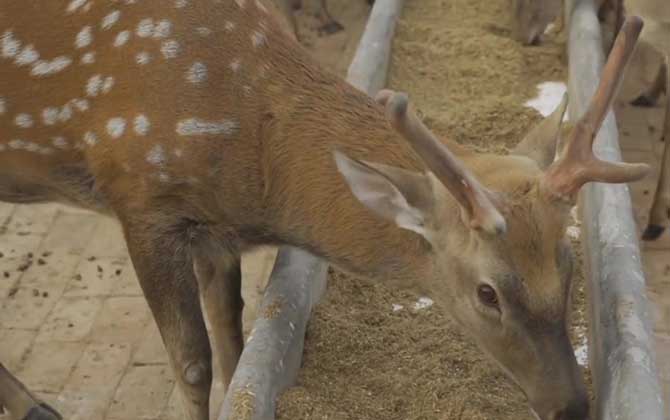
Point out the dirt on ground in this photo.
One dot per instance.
(373, 352)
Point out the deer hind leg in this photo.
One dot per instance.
(329, 25)
(161, 258)
(219, 275)
(660, 208)
(16, 398)
(649, 97)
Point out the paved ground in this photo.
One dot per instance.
(73, 323)
(640, 131)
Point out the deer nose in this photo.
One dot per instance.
(577, 409)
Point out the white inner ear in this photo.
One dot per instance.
(380, 195)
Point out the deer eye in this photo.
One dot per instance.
(487, 296)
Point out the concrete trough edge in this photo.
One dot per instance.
(621, 343)
(273, 353)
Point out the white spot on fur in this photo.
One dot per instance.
(59, 142)
(84, 37)
(50, 115)
(121, 38)
(94, 85)
(74, 5)
(145, 28)
(162, 29)
(28, 55)
(10, 45)
(82, 105)
(17, 144)
(88, 58)
(258, 39)
(141, 125)
(45, 67)
(109, 20)
(65, 113)
(116, 127)
(143, 58)
(23, 120)
(90, 138)
(3, 105)
(44, 150)
(156, 155)
(31, 147)
(170, 48)
(163, 177)
(87, 6)
(197, 73)
(108, 84)
(203, 31)
(198, 127)
(235, 65)
(395, 307)
(178, 152)
(180, 3)
(229, 26)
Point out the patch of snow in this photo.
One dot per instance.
(548, 98)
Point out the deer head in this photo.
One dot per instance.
(531, 17)
(494, 226)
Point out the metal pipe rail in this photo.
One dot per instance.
(622, 357)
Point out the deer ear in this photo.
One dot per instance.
(399, 196)
(541, 143)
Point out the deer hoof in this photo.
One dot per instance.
(43, 411)
(643, 101)
(330, 28)
(652, 232)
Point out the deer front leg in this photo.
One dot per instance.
(20, 402)
(160, 255)
(650, 96)
(660, 207)
(219, 275)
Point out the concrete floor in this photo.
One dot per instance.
(73, 322)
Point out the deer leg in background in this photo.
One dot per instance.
(16, 398)
(160, 255)
(651, 95)
(328, 24)
(288, 8)
(659, 214)
(219, 275)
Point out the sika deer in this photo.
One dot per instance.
(207, 130)
(530, 18)
(657, 34)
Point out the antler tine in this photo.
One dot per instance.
(577, 164)
(462, 184)
(613, 72)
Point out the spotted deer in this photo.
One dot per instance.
(657, 34)
(205, 129)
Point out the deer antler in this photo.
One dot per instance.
(462, 184)
(577, 164)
